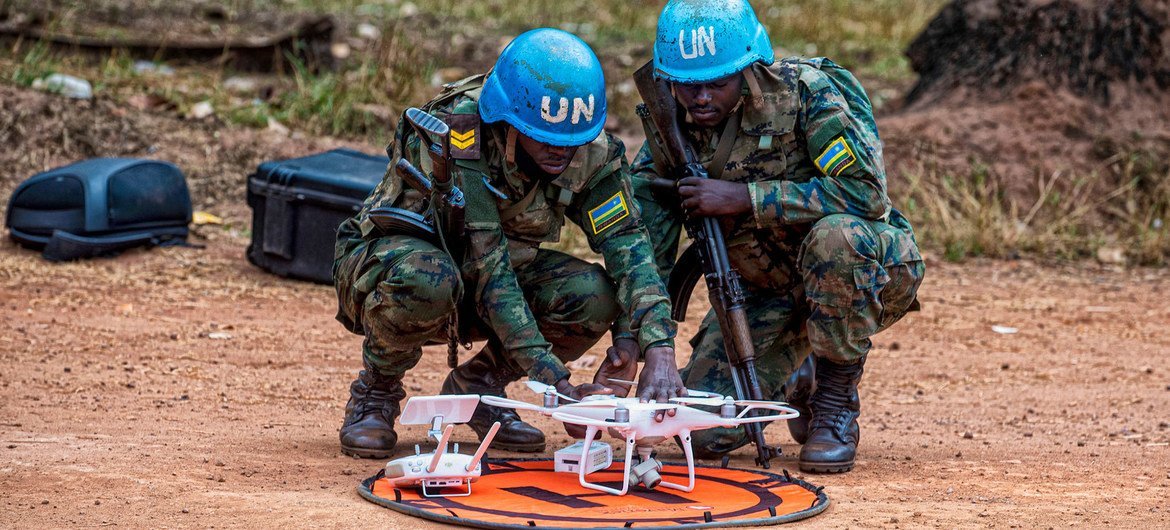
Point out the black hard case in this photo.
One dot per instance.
(298, 204)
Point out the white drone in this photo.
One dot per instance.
(635, 421)
(431, 472)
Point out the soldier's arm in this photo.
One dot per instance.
(490, 278)
(660, 220)
(614, 229)
(843, 142)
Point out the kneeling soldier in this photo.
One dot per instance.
(798, 184)
(527, 150)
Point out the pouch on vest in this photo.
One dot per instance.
(100, 207)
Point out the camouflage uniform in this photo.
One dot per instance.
(538, 308)
(826, 261)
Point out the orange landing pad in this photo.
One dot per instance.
(529, 494)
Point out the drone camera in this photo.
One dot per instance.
(646, 474)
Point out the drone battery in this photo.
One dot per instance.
(568, 459)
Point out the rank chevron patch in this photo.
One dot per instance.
(462, 140)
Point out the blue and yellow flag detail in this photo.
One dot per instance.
(609, 213)
(836, 157)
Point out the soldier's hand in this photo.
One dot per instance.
(659, 380)
(713, 198)
(621, 362)
(578, 392)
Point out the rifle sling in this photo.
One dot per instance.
(726, 142)
(518, 207)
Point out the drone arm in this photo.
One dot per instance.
(589, 422)
(442, 448)
(786, 413)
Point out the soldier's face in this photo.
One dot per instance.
(550, 158)
(709, 103)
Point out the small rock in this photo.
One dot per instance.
(186, 511)
(1111, 255)
(277, 127)
(174, 336)
(968, 436)
(68, 369)
(97, 503)
(1005, 366)
(201, 110)
(895, 346)
(219, 335)
(240, 85)
(151, 67)
(12, 446)
(44, 502)
(66, 85)
(368, 31)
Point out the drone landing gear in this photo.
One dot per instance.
(640, 466)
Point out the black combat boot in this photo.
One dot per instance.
(486, 374)
(368, 430)
(833, 432)
(797, 391)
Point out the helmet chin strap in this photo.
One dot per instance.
(753, 84)
(510, 145)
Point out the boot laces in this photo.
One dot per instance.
(370, 400)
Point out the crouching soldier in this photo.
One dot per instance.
(527, 151)
(798, 184)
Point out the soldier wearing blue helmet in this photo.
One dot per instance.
(528, 151)
(798, 180)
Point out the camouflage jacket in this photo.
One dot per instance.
(807, 147)
(504, 233)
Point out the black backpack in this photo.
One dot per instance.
(99, 207)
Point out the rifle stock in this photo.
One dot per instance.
(723, 287)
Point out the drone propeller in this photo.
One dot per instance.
(704, 401)
(541, 388)
(690, 393)
(497, 401)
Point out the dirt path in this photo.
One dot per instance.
(119, 406)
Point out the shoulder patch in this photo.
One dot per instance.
(609, 213)
(464, 136)
(836, 157)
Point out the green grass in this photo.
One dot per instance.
(1123, 206)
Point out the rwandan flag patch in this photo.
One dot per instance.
(836, 158)
(609, 213)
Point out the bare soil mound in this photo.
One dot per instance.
(1038, 89)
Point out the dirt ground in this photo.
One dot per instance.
(183, 387)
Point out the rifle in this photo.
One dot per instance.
(723, 285)
(448, 205)
(446, 199)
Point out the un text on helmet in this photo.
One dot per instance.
(580, 109)
(702, 42)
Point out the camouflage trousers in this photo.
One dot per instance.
(398, 291)
(853, 285)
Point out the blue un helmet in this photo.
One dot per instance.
(547, 84)
(704, 40)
